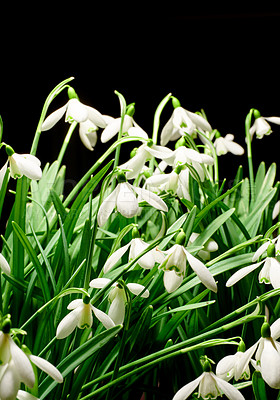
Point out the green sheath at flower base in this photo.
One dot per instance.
(6, 326)
(181, 238)
(9, 150)
(121, 178)
(175, 102)
(265, 330)
(241, 347)
(72, 94)
(181, 142)
(135, 233)
(271, 250)
(257, 114)
(130, 109)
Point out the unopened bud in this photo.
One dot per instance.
(265, 330)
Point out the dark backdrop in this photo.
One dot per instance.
(222, 61)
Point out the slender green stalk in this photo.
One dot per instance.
(61, 86)
(157, 116)
(248, 121)
(66, 142)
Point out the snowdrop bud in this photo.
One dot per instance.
(207, 366)
(181, 142)
(175, 102)
(130, 109)
(150, 143)
(9, 150)
(72, 94)
(217, 134)
(181, 238)
(257, 114)
(265, 330)
(133, 152)
(271, 250)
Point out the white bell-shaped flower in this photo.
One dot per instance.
(117, 296)
(124, 199)
(81, 317)
(210, 386)
(226, 144)
(4, 265)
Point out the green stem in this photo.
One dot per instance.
(248, 121)
(118, 149)
(66, 142)
(157, 116)
(62, 85)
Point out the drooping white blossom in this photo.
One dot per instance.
(126, 198)
(81, 317)
(183, 122)
(226, 144)
(261, 127)
(174, 266)
(118, 297)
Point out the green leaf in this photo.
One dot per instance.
(258, 386)
(77, 357)
(58, 205)
(34, 259)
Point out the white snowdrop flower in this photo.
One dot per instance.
(74, 110)
(143, 153)
(228, 366)
(184, 155)
(135, 246)
(267, 354)
(117, 296)
(21, 164)
(270, 272)
(16, 366)
(4, 265)
(183, 122)
(176, 182)
(81, 317)
(226, 144)
(260, 126)
(88, 135)
(208, 247)
(210, 386)
(125, 198)
(175, 263)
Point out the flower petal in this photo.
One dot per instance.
(22, 395)
(225, 366)
(114, 258)
(4, 265)
(10, 381)
(270, 364)
(96, 117)
(127, 203)
(99, 283)
(103, 318)
(260, 250)
(76, 111)
(47, 367)
(241, 273)
(202, 272)
(229, 390)
(22, 364)
(187, 390)
(151, 198)
(274, 273)
(68, 323)
(138, 289)
(111, 130)
(87, 133)
(107, 207)
(53, 118)
(244, 360)
(171, 280)
(275, 329)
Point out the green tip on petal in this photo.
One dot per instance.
(265, 330)
(175, 102)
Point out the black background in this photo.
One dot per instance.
(224, 61)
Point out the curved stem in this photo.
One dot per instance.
(66, 142)
(249, 153)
